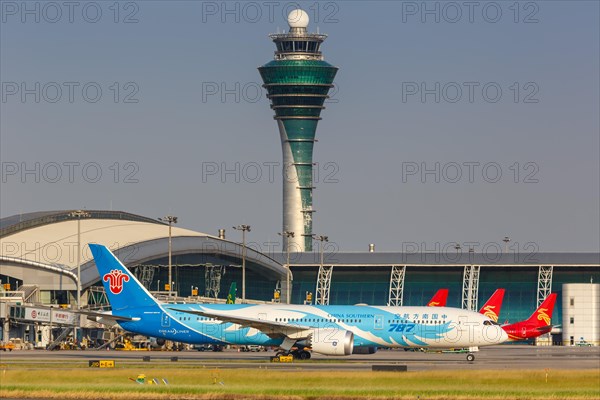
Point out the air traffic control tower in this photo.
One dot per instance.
(297, 82)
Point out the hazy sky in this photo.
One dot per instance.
(451, 121)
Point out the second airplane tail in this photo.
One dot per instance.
(122, 288)
(232, 293)
(491, 308)
(543, 315)
(439, 298)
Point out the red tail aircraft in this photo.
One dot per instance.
(491, 308)
(439, 299)
(538, 324)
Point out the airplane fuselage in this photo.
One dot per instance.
(370, 325)
(523, 330)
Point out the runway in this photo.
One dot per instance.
(505, 357)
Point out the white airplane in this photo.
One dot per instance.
(328, 330)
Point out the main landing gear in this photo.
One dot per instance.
(297, 354)
(470, 357)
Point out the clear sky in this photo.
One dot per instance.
(451, 121)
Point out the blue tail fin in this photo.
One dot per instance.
(121, 286)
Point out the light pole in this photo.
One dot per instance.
(322, 239)
(288, 235)
(244, 229)
(506, 240)
(79, 214)
(457, 247)
(169, 219)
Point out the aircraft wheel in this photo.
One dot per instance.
(308, 355)
(470, 357)
(303, 355)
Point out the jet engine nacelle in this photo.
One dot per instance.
(156, 343)
(332, 342)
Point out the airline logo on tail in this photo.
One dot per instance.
(433, 304)
(115, 278)
(542, 315)
(489, 312)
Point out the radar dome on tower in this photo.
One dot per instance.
(298, 19)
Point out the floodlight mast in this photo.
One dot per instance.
(288, 235)
(244, 229)
(170, 219)
(79, 214)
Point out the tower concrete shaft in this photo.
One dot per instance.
(297, 83)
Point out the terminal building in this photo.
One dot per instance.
(38, 270)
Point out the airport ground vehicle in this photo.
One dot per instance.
(8, 346)
(208, 347)
(252, 347)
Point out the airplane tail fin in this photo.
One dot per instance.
(543, 315)
(491, 308)
(439, 298)
(122, 287)
(232, 293)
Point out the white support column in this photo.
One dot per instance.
(470, 287)
(323, 284)
(544, 282)
(544, 289)
(396, 285)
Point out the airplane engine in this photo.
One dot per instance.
(156, 343)
(332, 342)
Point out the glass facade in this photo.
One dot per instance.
(352, 285)
(188, 271)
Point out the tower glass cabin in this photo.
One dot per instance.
(297, 83)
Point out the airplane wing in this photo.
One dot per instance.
(269, 328)
(107, 318)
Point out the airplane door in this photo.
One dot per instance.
(165, 320)
(378, 322)
(524, 331)
(262, 316)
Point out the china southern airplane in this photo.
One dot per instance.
(329, 330)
